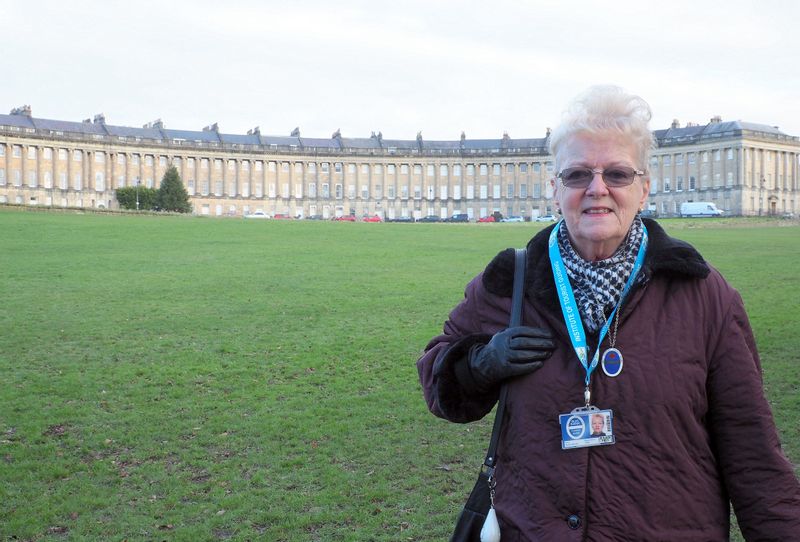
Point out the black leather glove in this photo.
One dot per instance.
(512, 352)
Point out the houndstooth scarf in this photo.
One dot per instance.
(598, 285)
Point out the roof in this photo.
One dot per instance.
(141, 133)
(188, 135)
(281, 141)
(319, 143)
(716, 129)
(211, 136)
(249, 139)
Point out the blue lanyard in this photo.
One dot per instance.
(570, 309)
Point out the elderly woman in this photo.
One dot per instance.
(688, 428)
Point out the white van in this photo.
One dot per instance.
(700, 208)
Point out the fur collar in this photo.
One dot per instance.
(665, 256)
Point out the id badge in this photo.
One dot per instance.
(586, 426)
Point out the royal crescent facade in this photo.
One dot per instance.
(745, 168)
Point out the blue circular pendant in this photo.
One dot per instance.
(612, 362)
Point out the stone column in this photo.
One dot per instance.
(7, 163)
(113, 168)
(237, 171)
(23, 167)
(53, 169)
(88, 170)
(128, 176)
(89, 166)
(69, 168)
(108, 184)
(182, 171)
(224, 177)
(39, 158)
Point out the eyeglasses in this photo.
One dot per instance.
(581, 177)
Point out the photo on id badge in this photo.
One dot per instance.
(583, 428)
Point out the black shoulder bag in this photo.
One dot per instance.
(472, 517)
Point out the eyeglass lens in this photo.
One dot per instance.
(581, 177)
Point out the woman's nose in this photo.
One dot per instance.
(598, 185)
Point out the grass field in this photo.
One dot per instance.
(177, 378)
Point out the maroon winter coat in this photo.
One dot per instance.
(693, 428)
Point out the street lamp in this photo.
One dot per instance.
(138, 182)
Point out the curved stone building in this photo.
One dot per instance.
(745, 168)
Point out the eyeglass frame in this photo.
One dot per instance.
(595, 171)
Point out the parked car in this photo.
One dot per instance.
(699, 209)
(257, 214)
(513, 219)
(373, 218)
(314, 217)
(400, 219)
(458, 217)
(489, 218)
(546, 218)
(283, 216)
(345, 218)
(429, 218)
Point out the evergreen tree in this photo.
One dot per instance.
(172, 196)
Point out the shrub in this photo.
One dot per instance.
(127, 197)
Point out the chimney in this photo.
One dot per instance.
(25, 111)
(675, 123)
(716, 119)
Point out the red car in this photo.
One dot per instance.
(374, 218)
(283, 216)
(489, 218)
(345, 218)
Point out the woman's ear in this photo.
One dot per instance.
(645, 190)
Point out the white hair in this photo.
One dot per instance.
(610, 110)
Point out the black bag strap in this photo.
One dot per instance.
(516, 319)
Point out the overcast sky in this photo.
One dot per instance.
(400, 67)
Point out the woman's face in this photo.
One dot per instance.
(598, 217)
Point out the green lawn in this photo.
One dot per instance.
(179, 378)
